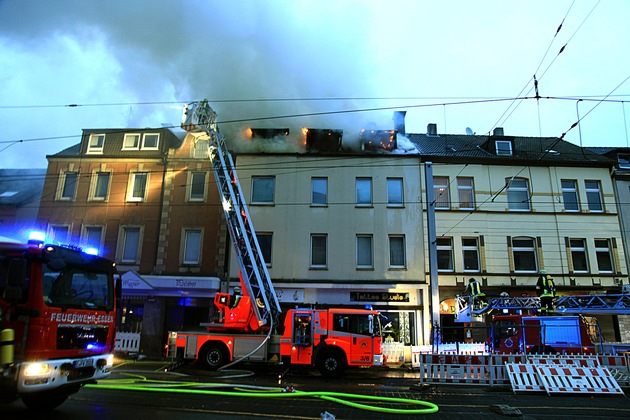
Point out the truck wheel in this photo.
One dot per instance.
(331, 363)
(212, 356)
(38, 403)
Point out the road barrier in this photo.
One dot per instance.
(519, 370)
(577, 380)
(127, 343)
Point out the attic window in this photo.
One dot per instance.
(95, 144)
(552, 152)
(503, 147)
(624, 161)
(8, 194)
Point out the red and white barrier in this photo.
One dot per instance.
(577, 380)
(523, 377)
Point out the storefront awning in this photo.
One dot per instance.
(134, 284)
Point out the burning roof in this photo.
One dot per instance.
(378, 140)
(323, 140)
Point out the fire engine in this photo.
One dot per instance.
(514, 332)
(251, 325)
(57, 321)
(539, 334)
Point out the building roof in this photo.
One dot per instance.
(530, 150)
(113, 144)
(21, 186)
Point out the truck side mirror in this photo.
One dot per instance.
(16, 279)
(118, 290)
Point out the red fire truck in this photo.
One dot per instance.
(252, 326)
(539, 334)
(57, 321)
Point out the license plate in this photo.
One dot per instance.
(83, 363)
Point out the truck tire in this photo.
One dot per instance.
(35, 402)
(213, 355)
(331, 363)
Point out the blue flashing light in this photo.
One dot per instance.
(36, 237)
(94, 347)
(369, 307)
(91, 251)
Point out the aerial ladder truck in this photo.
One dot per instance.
(517, 328)
(252, 326)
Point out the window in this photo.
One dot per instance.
(579, 257)
(517, 194)
(364, 251)
(131, 142)
(138, 186)
(503, 147)
(466, 193)
(397, 251)
(95, 144)
(594, 196)
(263, 189)
(570, 195)
(441, 192)
(470, 254)
(604, 257)
(395, 192)
(197, 186)
(201, 149)
(319, 191)
(100, 185)
(130, 244)
(264, 242)
(624, 160)
(524, 254)
(319, 250)
(150, 140)
(364, 191)
(68, 185)
(59, 234)
(92, 236)
(444, 254)
(192, 246)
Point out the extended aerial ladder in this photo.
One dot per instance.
(613, 304)
(200, 120)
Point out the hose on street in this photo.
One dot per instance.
(142, 383)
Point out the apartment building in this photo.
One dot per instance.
(144, 198)
(342, 229)
(508, 207)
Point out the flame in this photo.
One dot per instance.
(248, 133)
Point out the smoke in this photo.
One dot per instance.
(296, 62)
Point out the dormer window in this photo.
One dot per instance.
(503, 147)
(150, 141)
(624, 160)
(131, 141)
(96, 142)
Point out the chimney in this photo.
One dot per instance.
(432, 129)
(399, 122)
(498, 131)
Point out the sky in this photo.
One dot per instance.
(341, 64)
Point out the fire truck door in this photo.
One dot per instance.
(361, 350)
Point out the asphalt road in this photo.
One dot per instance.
(144, 390)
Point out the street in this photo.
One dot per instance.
(145, 390)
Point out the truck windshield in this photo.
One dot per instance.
(76, 287)
(504, 328)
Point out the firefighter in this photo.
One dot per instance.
(546, 291)
(474, 291)
(236, 297)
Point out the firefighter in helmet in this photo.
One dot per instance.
(546, 291)
(474, 291)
